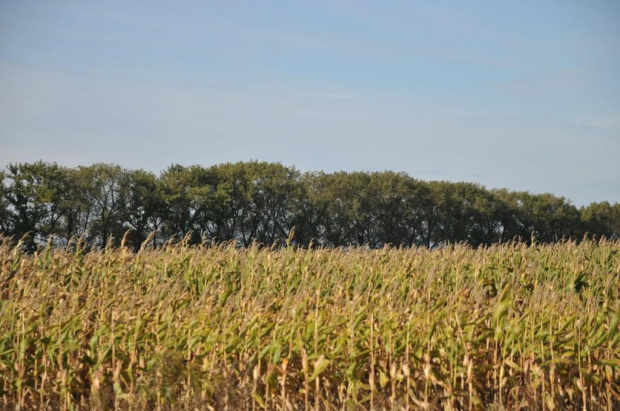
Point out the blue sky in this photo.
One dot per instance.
(523, 95)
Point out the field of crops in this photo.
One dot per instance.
(505, 327)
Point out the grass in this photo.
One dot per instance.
(504, 327)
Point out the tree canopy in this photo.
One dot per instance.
(271, 204)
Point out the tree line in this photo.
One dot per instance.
(271, 203)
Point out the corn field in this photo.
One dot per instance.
(217, 327)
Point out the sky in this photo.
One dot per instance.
(523, 95)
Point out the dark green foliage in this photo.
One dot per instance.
(272, 204)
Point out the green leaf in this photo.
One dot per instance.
(383, 379)
(612, 363)
(259, 400)
(319, 366)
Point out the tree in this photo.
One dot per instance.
(344, 208)
(34, 200)
(397, 208)
(598, 220)
(256, 201)
(271, 203)
(487, 212)
(6, 216)
(188, 194)
(145, 211)
(105, 199)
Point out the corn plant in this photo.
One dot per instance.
(218, 327)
